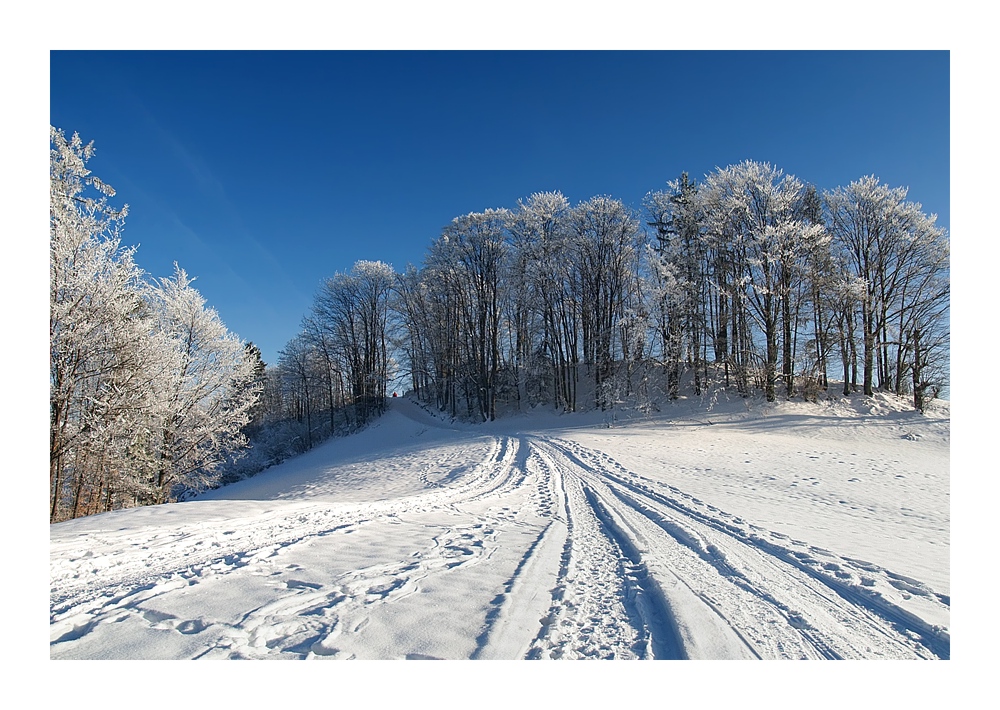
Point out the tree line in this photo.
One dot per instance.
(749, 280)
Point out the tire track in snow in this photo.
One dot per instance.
(837, 571)
(676, 623)
(832, 575)
(515, 612)
(593, 612)
(863, 617)
(664, 641)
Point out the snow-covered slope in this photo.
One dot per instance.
(713, 530)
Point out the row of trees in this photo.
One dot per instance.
(149, 392)
(512, 304)
(751, 280)
(763, 272)
(331, 378)
(338, 366)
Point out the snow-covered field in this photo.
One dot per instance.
(709, 531)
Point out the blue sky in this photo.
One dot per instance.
(262, 173)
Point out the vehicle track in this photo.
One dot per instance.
(750, 579)
(593, 611)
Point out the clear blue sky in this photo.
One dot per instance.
(262, 173)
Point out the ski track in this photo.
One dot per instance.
(609, 564)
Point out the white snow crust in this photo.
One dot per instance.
(713, 530)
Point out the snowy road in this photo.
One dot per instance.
(418, 540)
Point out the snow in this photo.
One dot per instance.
(715, 529)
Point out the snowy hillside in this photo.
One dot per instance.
(709, 532)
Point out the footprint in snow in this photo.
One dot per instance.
(299, 584)
(192, 626)
(384, 589)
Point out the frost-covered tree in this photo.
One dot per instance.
(348, 324)
(474, 248)
(606, 239)
(545, 254)
(329, 363)
(757, 208)
(410, 301)
(899, 257)
(665, 291)
(104, 354)
(210, 390)
(818, 281)
(678, 292)
(300, 374)
(433, 319)
(259, 367)
(147, 388)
